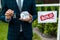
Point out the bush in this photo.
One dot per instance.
(47, 28)
(34, 23)
(50, 29)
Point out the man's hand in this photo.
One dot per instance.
(9, 13)
(27, 19)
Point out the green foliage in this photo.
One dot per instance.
(34, 23)
(36, 37)
(39, 1)
(50, 28)
(47, 28)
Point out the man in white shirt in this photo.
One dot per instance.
(19, 28)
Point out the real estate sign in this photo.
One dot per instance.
(47, 16)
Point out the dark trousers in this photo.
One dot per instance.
(19, 36)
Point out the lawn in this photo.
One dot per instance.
(4, 30)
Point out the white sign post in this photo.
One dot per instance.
(47, 16)
(58, 34)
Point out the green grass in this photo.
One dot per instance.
(36, 37)
(4, 30)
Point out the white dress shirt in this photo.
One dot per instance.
(21, 3)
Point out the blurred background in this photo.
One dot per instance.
(41, 31)
(47, 1)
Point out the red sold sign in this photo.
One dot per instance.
(47, 16)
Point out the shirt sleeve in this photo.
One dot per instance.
(7, 20)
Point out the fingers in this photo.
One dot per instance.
(9, 12)
(26, 20)
(30, 16)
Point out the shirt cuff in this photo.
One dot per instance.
(7, 20)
